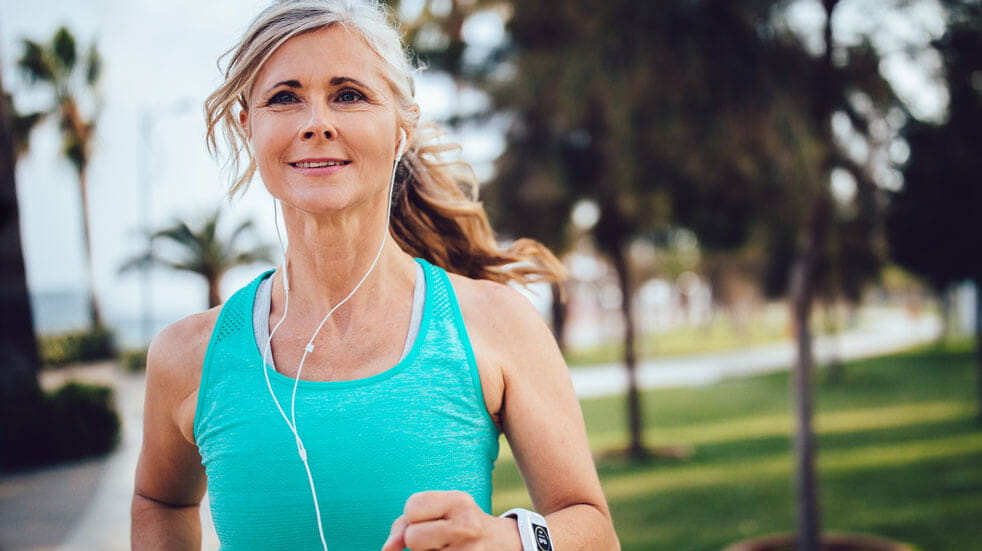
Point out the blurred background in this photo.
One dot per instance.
(768, 211)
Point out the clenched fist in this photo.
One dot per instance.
(451, 521)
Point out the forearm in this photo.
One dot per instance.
(159, 526)
(576, 527)
(582, 526)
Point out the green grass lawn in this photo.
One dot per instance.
(900, 455)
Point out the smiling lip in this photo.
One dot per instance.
(319, 168)
(319, 163)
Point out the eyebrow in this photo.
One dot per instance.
(342, 80)
(336, 81)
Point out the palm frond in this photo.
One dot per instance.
(200, 248)
(23, 125)
(73, 148)
(93, 68)
(239, 231)
(63, 48)
(138, 262)
(253, 256)
(35, 64)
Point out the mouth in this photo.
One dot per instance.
(318, 164)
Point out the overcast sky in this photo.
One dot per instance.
(159, 65)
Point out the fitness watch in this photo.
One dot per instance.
(532, 529)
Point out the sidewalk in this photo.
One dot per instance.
(887, 333)
(104, 524)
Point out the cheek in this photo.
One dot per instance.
(373, 141)
(269, 142)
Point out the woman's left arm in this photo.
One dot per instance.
(542, 420)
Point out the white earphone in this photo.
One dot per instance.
(402, 144)
(291, 420)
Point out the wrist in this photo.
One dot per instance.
(506, 536)
(533, 533)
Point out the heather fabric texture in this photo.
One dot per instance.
(371, 443)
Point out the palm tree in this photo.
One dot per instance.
(202, 251)
(19, 358)
(57, 68)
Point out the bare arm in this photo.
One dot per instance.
(541, 418)
(170, 480)
(528, 391)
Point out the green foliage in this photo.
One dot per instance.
(55, 68)
(73, 422)
(201, 250)
(134, 361)
(78, 346)
(899, 457)
(63, 46)
(933, 224)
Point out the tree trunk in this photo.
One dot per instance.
(802, 296)
(803, 282)
(95, 314)
(945, 305)
(636, 449)
(214, 292)
(978, 342)
(560, 309)
(19, 359)
(835, 368)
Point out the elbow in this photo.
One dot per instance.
(143, 502)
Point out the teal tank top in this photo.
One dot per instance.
(371, 443)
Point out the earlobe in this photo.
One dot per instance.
(244, 123)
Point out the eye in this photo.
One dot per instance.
(282, 97)
(350, 96)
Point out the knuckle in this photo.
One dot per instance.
(417, 500)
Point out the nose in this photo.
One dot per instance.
(318, 124)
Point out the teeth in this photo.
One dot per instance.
(319, 164)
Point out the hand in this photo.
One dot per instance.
(452, 521)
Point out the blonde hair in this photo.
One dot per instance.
(435, 211)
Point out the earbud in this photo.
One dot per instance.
(402, 145)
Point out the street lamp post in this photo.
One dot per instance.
(148, 120)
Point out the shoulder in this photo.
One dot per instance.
(490, 302)
(504, 321)
(176, 354)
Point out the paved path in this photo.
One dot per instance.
(57, 495)
(887, 332)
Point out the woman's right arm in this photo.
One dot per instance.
(170, 480)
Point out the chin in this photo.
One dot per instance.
(329, 202)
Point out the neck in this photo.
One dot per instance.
(329, 256)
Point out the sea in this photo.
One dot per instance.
(63, 311)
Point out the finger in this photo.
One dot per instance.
(396, 540)
(434, 505)
(434, 534)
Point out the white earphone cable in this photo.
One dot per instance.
(291, 421)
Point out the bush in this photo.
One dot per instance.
(72, 422)
(134, 361)
(78, 346)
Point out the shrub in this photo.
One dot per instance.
(72, 422)
(78, 346)
(134, 361)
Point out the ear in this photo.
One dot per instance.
(244, 122)
(408, 123)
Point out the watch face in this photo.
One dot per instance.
(542, 540)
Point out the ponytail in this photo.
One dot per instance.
(436, 216)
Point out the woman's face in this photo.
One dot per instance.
(323, 122)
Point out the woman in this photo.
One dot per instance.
(374, 420)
